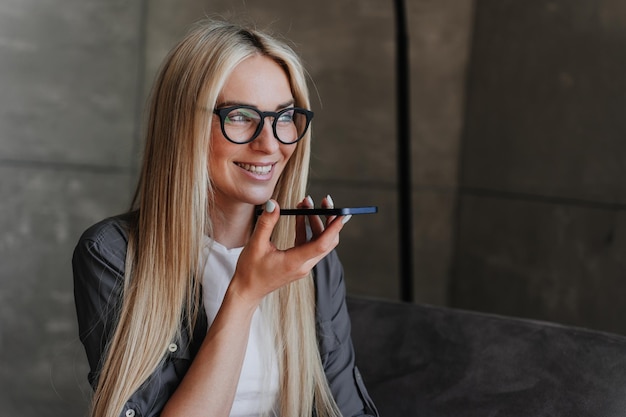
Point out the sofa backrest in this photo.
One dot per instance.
(425, 361)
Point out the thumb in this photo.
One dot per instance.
(266, 221)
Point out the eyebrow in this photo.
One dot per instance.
(241, 103)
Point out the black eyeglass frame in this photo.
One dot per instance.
(275, 115)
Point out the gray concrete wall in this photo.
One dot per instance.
(440, 36)
(73, 80)
(517, 176)
(68, 95)
(542, 216)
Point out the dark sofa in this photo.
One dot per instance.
(430, 361)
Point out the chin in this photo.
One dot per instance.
(258, 200)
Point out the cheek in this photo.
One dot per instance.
(288, 152)
(213, 156)
(221, 150)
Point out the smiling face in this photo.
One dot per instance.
(247, 174)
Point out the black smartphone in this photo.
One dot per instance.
(325, 211)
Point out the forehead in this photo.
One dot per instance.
(257, 81)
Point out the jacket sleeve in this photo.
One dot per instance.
(98, 266)
(336, 349)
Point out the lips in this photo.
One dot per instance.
(256, 169)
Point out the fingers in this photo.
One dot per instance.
(310, 253)
(316, 224)
(262, 268)
(266, 222)
(300, 226)
(328, 202)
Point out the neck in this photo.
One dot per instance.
(232, 225)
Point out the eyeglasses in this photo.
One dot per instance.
(243, 124)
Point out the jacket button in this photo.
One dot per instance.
(130, 413)
(172, 348)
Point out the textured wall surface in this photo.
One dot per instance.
(68, 82)
(440, 39)
(517, 175)
(541, 227)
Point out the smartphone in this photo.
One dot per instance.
(325, 211)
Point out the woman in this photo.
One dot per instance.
(191, 304)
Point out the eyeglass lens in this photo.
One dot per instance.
(242, 124)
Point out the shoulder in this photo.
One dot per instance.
(104, 245)
(110, 230)
(110, 233)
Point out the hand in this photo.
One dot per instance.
(316, 224)
(262, 268)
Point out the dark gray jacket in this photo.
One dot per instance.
(98, 265)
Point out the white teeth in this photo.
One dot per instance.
(255, 169)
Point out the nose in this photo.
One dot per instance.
(266, 142)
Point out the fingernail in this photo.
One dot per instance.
(270, 206)
(310, 201)
(346, 219)
(330, 201)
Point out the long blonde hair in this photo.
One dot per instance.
(173, 196)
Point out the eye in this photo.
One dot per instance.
(286, 116)
(241, 116)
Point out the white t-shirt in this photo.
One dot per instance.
(257, 389)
